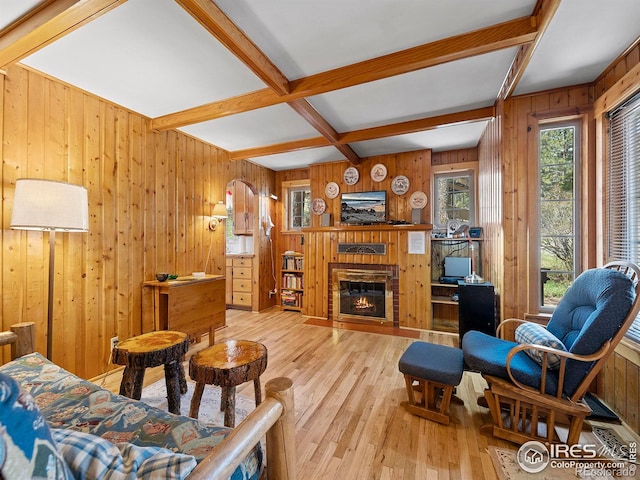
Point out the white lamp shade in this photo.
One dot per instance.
(50, 205)
(219, 211)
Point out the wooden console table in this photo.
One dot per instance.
(191, 305)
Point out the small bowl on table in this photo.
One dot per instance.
(162, 277)
(173, 276)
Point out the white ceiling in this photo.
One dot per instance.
(154, 58)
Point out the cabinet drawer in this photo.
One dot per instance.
(242, 262)
(241, 272)
(242, 299)
(241, 285)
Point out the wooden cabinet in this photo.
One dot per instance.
(444, 294)
(292, 281)
(243, 199)
(191, 305)
(241, 274)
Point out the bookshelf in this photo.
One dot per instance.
(292, 281)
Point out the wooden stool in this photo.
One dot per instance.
(227, 364)
(436, 369)
(152, 349)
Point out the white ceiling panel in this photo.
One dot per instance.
(451, 137)
(303, 37)
(266, 126)
(574, 50)
(149, 56)
(152, 57)
(12, 10)
(299, 159)
(451, 87)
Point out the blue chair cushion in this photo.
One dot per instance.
(534, 334)
(486, 354)
(430, 361)
(590, 313)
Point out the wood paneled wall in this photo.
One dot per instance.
(513, 204)
(507, 152)
(416, 166)
(619, 383)
(150, 195)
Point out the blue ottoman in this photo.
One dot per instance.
(433, 371)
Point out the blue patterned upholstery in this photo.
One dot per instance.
(589, 314)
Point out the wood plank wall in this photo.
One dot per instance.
(619, 383)
(506, 154)
(149, 197)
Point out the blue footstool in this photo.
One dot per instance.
(437, 369)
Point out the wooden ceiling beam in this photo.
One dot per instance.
(411, 126)
(46, 23)
(419, 125)
(209, 15)
(542, 15)
(311, 115)
(278, 148)
(504, 35)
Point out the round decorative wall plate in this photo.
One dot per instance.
(351, 176)
(378, 172)
(318, 206)
(332, 190)
(418, 200)
(400, 185)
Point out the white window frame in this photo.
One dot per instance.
(450, 171)
(577, 124)
(288, 188)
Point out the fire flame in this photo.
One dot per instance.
(363, 303)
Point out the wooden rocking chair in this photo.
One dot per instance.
(532, 388)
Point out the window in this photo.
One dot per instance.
(558, 210)
(454, 194)
(298, 204)
(623, 188)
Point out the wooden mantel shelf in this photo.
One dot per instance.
(368, 228)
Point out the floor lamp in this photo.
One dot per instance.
(46, 205)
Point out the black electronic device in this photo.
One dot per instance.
(450, 280)
(363, 208)
(476, 308)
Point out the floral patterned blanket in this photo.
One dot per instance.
(67, 401)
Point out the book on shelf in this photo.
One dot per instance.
(291, 280)
(289, 298)
(290, 262)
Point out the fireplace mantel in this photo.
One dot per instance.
(414, 270)
(367, 228)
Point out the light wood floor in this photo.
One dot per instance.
(349, 423)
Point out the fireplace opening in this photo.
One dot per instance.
(363, 295)
(363, 298)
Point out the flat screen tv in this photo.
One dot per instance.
(363, 208)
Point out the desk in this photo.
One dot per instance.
(191, 305)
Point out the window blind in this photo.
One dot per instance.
(623, 188)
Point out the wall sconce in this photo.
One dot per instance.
(218, 215)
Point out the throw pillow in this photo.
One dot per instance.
(90, 457)
(538, 335)
(27, 449)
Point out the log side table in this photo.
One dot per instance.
(152, 349)
(226, 365)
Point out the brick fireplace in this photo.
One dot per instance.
(364, 293)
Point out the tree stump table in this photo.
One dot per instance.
(152, 349)
(226, 365)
